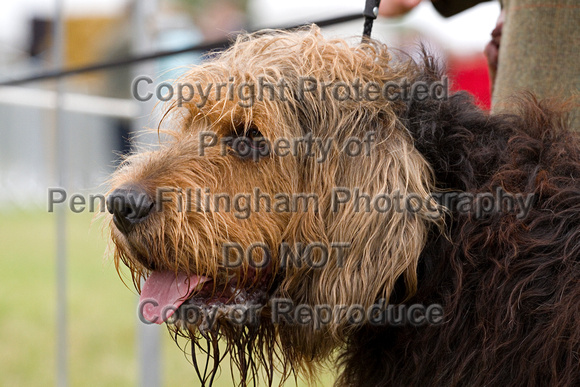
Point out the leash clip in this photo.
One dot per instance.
(371, 9)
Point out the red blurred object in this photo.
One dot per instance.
(471, 74)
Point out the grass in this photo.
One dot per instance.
(102, 312)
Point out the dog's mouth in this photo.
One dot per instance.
(200, 300)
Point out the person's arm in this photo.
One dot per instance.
(394, 8)
(452, 7)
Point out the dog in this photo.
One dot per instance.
(316, 202)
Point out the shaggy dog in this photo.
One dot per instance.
(267, 220)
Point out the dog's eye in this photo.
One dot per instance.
(254, 134)
(250, 143)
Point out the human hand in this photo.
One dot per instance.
(394, 8)
(492, 49)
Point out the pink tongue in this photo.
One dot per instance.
(163, 292)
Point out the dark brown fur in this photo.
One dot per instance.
(510, 287)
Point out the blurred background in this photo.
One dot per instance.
(65, 317)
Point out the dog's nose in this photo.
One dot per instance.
(129, 205)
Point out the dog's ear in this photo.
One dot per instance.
(374, 213)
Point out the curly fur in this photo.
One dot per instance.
(509, 286)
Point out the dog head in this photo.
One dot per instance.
(289, 182)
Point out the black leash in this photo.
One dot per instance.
(370, 13)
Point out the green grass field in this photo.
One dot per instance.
(102, 314)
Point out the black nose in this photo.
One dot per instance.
(129, 205)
